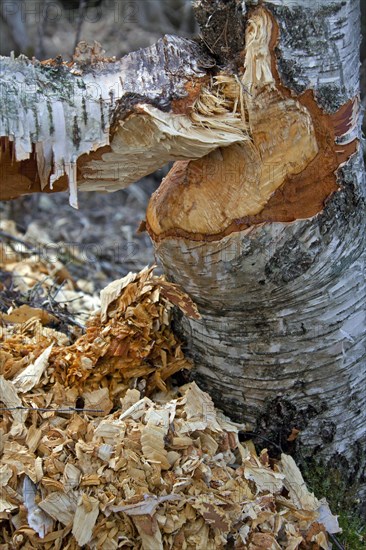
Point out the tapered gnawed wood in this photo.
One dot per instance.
(290, 140)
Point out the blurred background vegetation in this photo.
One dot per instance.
(46, 28)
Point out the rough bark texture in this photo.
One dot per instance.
(282, 337)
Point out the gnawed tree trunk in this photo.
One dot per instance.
(268, 237)
(262, 221)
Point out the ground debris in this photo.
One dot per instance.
(91, 481)
(36, 285)
(99, 448)
(129, 343)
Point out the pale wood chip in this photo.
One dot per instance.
(60, 506)
(11, 400)
(31, 376)
(86, 515)
(98, 401)
(296, 486)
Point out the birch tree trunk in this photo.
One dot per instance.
(281, 288)
(261, 220)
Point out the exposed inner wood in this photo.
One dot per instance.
(148, 138)
(266, 154)
(21, 178)
(285, 172)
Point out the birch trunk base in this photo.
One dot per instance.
(261, 220)
(281, 341)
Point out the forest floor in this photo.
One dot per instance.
(99, 242)
(56, 259)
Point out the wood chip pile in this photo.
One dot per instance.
(100, 450)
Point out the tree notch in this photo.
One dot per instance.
(269, 177)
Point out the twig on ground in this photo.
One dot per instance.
(336, 542)
(11, 237)
(49, 409)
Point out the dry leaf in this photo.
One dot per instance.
(293, 435)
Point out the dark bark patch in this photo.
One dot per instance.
(291, 74)
(222, 27)
(126, 105)
(276, 424)
(327, 431)
(330, 97)
(278, 420)
(346, 209)
(76, 137)
(300, 29)
(289, 262)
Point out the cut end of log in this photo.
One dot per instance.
(285, 171)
